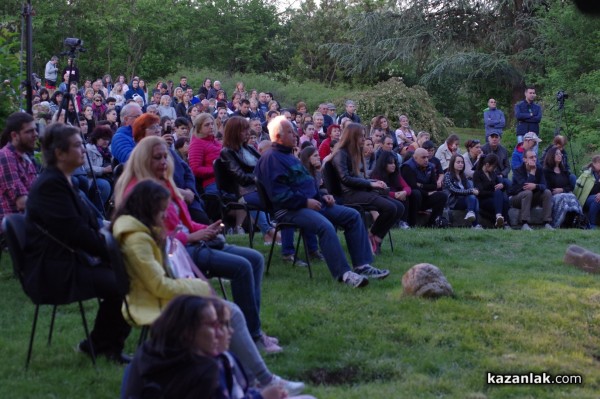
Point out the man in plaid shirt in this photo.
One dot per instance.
(17, 170)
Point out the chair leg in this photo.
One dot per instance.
(306, 254)
(298, 246)
(143, 335)
(35, 317)
(222, 288)
(87, 333)
(271, 250)
(391, 242)
(52, 324)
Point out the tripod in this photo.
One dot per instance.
(64, 107)
(560, 103)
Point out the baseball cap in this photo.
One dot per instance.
(331, 106)
(532, 136)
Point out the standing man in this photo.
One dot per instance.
(72, 70)
(51, 73)
(296, 199)
(17, 170)
(528, 115)
(350, 113)
(493, 119)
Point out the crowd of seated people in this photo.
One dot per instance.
(167, 141)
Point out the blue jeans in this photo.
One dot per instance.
(471, 204)
(260, 217)
(496, 204)
(244, 267)
(320, 223)
(593, 208)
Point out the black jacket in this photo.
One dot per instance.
(56, 206)
(520, 177)
(240, 171)
(350, 181)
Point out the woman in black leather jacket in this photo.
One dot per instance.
(357, 189)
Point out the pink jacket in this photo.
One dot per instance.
(202, 153)
(177, 213)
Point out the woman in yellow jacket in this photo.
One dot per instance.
(138, 227)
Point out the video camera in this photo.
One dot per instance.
(74, 44)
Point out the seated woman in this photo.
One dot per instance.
(492, 193)
(471, 157)
(204, 149)
(587, 190)
(243, 266)
(178, 361)
(461, 193)
(388, 171)
(369, 156)
(405, 136)
(100, 159)
(333, 134)
(139, 227)
(60, 215)
(447, 150)
(240, 160)
(564, 202)
(418, 143)
(234, 380)
(357, 189)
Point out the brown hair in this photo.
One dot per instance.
(351, 142)
(233, 136)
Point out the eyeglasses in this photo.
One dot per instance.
(155, 127)
(97, 100)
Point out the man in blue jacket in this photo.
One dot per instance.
(493, 120)
(296, 199)
(123, 143)
(528, 115)
(135, 89)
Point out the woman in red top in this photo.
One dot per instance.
(204, 149)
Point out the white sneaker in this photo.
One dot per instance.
(470, 216)
(499, 221)
(548, 226)
(267, 346)
(477, 227)
(293, 388)
(354, 280)
(526, 227)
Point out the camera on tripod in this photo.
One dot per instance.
(74, 44)
(561, 96)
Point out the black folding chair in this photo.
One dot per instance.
(15, 229)
(333, 185)
(268, 205)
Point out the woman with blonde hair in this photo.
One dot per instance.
(357, 189)
(118, 93)
(204, 149)
(165, 108)
(177, 97)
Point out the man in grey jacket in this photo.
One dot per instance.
(51, 73)
(493, 120)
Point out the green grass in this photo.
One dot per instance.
(517, 309)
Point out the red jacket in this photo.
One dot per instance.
(203, 152)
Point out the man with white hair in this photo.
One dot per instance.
(350, 113)
(296, 199)
(123, 143)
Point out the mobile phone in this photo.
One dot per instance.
(168, 130)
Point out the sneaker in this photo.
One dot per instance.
(477, 227)
(507, 227)
(264, 344)
(272, 339)
(499, 221)
(293, 388)
(317, 255)
(526, 227)
(354, 280)
(239, 230)
(371, 272)
(470, 216)
(404, 226)
(548, 226)
(290, 259)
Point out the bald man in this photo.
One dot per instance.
(296, 199)
(421, 176)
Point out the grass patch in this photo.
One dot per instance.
(517, 309)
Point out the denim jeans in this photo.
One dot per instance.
(320, 223)
(471, 204)
(260, 217)
(593, 208)
(244, 267)
(497, 204)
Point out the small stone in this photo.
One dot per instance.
(426, 280)
(582, 259)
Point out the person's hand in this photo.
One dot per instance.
(439, 183)
(557, 191)
(201, 235)
(188, 195)
(274, 392)
(169, 139)
(20, 202)
(107, 169)
(597, 197)
(400, 195)
(499, 186)
(475, 191)
(378, 184)
(329, 200)
(529, 186)
(217, 226)
(313, 204)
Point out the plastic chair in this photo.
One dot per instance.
(15, 227)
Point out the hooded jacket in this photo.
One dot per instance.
(150, 287)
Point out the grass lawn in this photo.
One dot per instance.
(517, 309)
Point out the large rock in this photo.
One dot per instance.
(427, 281)
(582, 259)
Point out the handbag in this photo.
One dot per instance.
(79, 255)
(178, 262)
(216, 243)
